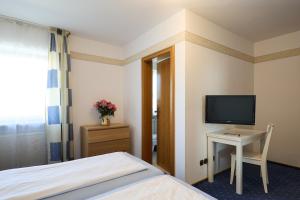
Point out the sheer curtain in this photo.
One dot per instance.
(23, 83)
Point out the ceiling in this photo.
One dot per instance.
(121, 21)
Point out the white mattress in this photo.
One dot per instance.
(103, 187)
(156, 188)
(47, 180)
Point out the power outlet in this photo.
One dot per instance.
(201, 162)
(205, 161)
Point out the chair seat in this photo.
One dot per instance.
(255, 159)
(250, 156)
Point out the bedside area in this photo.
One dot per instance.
(97, 140)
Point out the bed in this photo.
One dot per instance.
(96, 189)
(79, 179)
(162, 187)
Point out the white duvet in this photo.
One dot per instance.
(47, 180)
(158, 188)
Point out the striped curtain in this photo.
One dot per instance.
(59, 126)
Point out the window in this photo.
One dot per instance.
(23, 74)
(23, 84)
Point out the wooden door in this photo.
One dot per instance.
(164, 115)
(167, 160)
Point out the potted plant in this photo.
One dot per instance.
(105, 109)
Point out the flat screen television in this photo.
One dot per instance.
(230, 109)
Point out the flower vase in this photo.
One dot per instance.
(105, 121)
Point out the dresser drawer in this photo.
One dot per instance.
(108, 135)
(97, 140)
(109, 147)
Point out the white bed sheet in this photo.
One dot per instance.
(47, 180)
(107, 186)
(157, 188)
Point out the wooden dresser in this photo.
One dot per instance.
(97, 140)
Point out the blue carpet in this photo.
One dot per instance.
(284, 184)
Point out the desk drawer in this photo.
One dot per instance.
(108, 135)
(109, 147)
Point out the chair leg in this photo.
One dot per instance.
(232, 169)
(264, 176)
(260, 173)
(267, 173)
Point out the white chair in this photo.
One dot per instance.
(256, 159)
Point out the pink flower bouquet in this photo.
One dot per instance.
(105, 108)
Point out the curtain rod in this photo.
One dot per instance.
(22, 21)
(27, 22)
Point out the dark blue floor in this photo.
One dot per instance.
(284, 184)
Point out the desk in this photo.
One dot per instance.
(235, 137)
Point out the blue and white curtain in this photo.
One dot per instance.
(59, 127)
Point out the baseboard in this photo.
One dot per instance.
(205, 179)
(200, 181)
(282, 164)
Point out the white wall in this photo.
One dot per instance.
(207, 29)
(132, 103)
(170, 27)
(132, 77)
(133, 107)
(276, 85)
(93, 47)
(196, 68)
(209, 73)
(128, 90)
(180, 110)
(199, 71)
(280, 43)
(92, 81)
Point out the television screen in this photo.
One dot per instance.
(230, 109)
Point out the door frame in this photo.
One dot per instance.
(147, 105)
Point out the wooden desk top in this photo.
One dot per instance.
(99, 127)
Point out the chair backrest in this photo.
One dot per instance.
(270, 128)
